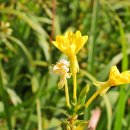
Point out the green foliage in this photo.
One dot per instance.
(82, 96)
(29, 97)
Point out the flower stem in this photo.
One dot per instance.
(96, 94)
(67, 94)
(74, 88)
(74, 69)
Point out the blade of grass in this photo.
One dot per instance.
(30, 20)
(122, 98)
(109, 111)
(25, 50)
(4, 98)
(91, 46)
(92, 36)
(26, 123)
(10, 46)
(120, 110)
(35, 87)
(39, 114)
(38, 93)
(115, 60)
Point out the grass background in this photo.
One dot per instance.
(29, 97)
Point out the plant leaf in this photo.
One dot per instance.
(82, 96)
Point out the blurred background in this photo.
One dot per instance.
(29, 96)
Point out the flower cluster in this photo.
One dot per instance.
(70, 44)
(62, 69)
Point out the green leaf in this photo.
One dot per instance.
(13, 96)
(1, 107)
(82, 96)
(81, 124)
(120, 109)
(35, 84)
(5, 100)
(10, 46)
(80, 110)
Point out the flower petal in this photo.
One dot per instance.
(117, 78)
(71, 43)
(61, 83)
(80, 42)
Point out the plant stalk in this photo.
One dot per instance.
(39, 114)
(74, 87)
(67, 94)
(96, 94)
(74, 70)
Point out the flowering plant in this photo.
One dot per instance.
(71, 44)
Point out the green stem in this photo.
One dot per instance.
(96, 94)
(92, 37)
(67, 94)
(39, 114)
(5, 102)
(74, 88)
(74, 70)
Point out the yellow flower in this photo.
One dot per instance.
(70, 44)
(62, 69)
(117, 78)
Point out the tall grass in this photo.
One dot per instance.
(29, 98)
